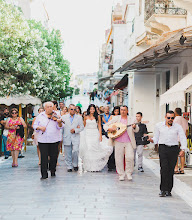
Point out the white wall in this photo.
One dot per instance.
(181, 60)
(119, 50)
(139, 18)
(144, 97)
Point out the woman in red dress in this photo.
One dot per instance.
(14, 141)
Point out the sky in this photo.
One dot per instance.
(82, 24)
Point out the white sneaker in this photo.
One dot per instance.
(121, 178)
(129, 176)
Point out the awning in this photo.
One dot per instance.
(104, 78)
(122, 83)
(114, 93)
(177, 92)
(167, 46)
(20, 99)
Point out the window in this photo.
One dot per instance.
(185, 69)
(176, 75)
(167, 80)
(133, 25)
(167, 86)
(167, 108)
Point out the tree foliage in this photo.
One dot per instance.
(31, 59)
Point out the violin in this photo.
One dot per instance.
(54, 117)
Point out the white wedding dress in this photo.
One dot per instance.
(94, 154)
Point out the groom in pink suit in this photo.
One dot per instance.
(125, 144)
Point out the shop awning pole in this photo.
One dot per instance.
(25, 130)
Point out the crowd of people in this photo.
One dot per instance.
(88, 143)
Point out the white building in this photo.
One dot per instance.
(158, 26)
(146, 39)
(85, 82)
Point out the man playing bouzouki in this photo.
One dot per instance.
(124, 144)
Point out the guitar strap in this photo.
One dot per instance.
(106, 118)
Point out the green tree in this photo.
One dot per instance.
(28, 62)
(55, 45)
(77, 91)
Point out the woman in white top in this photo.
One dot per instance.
(115, 112)
(35, 134)
(64, 111)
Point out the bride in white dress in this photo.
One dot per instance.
(94, 151)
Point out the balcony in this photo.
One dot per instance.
(119, 22)
(162, 16)
(117, 14)
(160, 7)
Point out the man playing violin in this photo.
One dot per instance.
(48, 125)
(124, 144)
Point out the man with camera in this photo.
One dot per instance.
(141, 140)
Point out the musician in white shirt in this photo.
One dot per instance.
(166, 135)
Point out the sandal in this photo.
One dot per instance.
(176, 172)
(14, 165)
(182, 172)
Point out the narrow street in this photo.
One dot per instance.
(132, 59)
(87, 196)
(84, 100)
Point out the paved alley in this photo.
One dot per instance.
(82, 196)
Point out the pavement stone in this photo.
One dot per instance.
(68, 196)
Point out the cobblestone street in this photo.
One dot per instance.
(88, 196)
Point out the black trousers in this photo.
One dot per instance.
(48, 149)
(168, 159)
(111, 161)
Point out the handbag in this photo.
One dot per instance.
(20, 131)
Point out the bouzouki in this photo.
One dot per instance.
(120, 129)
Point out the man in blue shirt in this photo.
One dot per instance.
(105, 119)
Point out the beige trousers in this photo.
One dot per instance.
(122, 149)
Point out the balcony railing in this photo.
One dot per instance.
(119, 22)
(162, 7)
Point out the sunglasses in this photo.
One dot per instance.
(72, 109)
(14, 113)
(170, 118)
